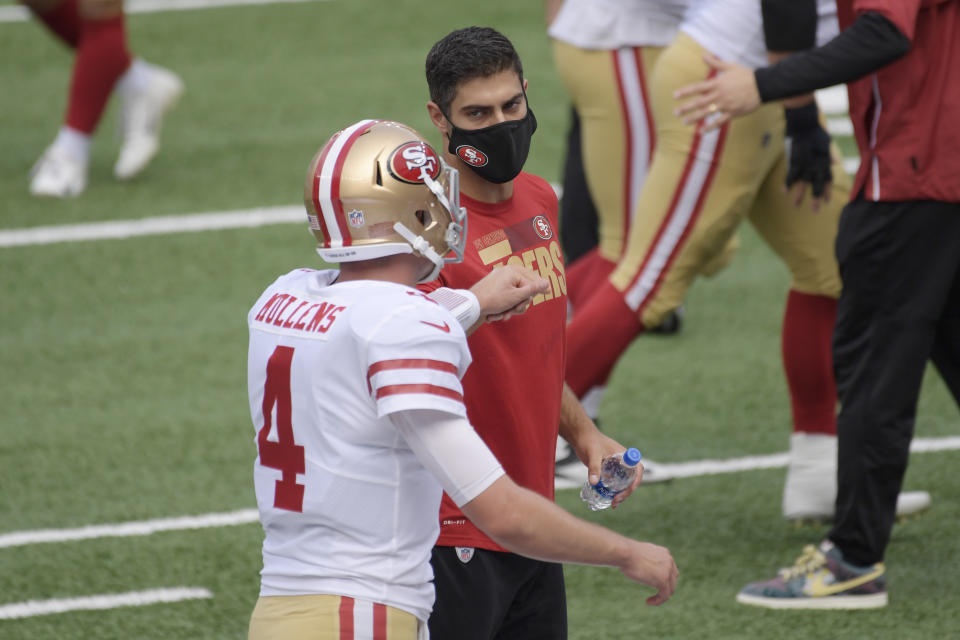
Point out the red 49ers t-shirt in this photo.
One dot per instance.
(513, 388)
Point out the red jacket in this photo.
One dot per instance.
(906, 116)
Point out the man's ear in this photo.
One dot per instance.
(437, 117)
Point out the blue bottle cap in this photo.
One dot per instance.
(631, 457)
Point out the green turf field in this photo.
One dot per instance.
(123, 387)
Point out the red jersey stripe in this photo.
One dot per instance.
(395, 389)
(409, 363)
(346, 618)
(379, 621)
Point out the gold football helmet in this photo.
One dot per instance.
(377, 188)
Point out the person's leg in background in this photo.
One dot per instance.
(901, 276)
(805, 240)
(699, 187)
(578, 215)
(95, 29)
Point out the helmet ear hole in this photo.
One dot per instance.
(424, 217)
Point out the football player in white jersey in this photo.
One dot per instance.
(355, 394)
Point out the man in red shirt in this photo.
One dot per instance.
(514, 391)
(897, 248)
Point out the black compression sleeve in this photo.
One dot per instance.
(871, 42)
(789, 25)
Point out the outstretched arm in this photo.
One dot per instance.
(871, 42)
(501, 294)
(523, 521)
(529, 524)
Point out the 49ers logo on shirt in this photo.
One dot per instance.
(410, 160)
(472, 156)
(542, 226)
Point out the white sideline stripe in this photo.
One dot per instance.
(32, 608)
(246, 516)
(126, 529)
(749, 463)
(671, 470)
(113, 229)
(21, 14)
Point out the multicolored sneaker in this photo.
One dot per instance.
(820, 579)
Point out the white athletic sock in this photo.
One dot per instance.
(135, 78)
(74, 143)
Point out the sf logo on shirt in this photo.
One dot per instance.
(522, 244)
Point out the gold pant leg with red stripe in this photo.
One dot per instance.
(699, 188)
(608, 88)
(803, 238)
(328, 617)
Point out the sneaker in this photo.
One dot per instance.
(810, 490)
(58, 174)
(142, 117)
(820, 579)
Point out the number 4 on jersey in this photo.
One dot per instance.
(284, 455)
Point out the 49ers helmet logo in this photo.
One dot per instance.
(472, 156)
(410, 159)
(542, 226)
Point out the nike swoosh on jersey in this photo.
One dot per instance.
(443, 327)
(818, 586)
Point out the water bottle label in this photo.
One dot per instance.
(603, 491)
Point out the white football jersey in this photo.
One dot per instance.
(345, 505)
(732, 30)
(611, 24)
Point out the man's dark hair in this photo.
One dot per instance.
(465, 54)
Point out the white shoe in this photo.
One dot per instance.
(142, 117)
(910, 504)
(810, 491)
(58, 174)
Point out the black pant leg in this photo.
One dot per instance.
(946, 346)
(579, 232)
(897, 261)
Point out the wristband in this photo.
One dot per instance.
(462, 303)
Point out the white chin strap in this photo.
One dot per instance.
(421, 246)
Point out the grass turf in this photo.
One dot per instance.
(123, 361)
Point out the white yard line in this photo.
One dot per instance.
(32, 608)
(126, 529)
(671, 470)
(20, 14)
(113, 229)
(246, 516)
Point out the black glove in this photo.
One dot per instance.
(809, 149)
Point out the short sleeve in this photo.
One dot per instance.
(415, 360)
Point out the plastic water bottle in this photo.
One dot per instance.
(616, 474)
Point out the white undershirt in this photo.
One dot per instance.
(451, 450)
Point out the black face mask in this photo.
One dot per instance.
(495, 153)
